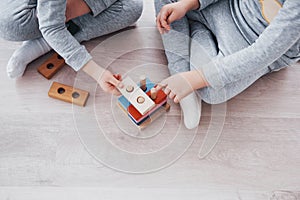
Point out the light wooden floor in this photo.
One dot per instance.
(257, 156)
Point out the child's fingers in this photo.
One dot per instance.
(158, 24)
(115, 82)
(163, 19)
(118, 77)
(116, 92)
(172, 17)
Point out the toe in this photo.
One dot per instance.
(167, 91)
(176, 100)
(172, 95)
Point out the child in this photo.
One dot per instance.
(42, 25)
(219, 48)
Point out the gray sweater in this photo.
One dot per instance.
(275, 45)
(56, 34)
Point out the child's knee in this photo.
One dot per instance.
(138, 9)
(7, 28)
(17, 28)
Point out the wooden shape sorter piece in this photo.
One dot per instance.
(160, 100)
(68, 94)
(136, 96)
(160, 106)
(51, 66)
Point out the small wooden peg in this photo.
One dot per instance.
(143, 85)
(153, 93)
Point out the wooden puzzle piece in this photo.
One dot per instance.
(51, 66)
(68, 94)
(136, 96)
(143, 84)
(124, 103)
(142, 121)
(153, 93)
(161, 98)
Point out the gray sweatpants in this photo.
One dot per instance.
(19, 22)
(22, 23)
(202, 36)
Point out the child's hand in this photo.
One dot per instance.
(168, 14)
(176, 86)
(109, 82)
(180, 85)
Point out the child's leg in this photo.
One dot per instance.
(177, 49)
(204, 46)
(121, 14)
(176, 42)
(18, 22)
(228, 41)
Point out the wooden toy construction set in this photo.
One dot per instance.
(141, 102)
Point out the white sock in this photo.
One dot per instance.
(29, 51)
(191, 108)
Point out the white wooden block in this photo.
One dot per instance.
(136, 96)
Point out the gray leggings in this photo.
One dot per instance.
(202, 36)
(18, 21)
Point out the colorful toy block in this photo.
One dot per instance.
(142, 112)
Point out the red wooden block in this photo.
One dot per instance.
(161, 96)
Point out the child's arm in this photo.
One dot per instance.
(51, 16)
(107, 81)
(273, 43)
(282, 33)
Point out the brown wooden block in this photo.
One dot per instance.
(68, 94)
(51, 66)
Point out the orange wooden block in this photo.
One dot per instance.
(161, 96)
(51, 66)
(68, 94)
